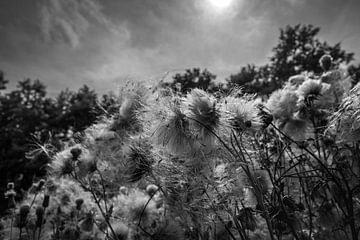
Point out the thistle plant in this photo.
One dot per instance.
(196, 166)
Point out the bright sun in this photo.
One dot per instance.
(220, 4)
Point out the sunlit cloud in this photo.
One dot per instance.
(68, 21)
(103, 43)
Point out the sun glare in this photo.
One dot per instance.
(220, 4)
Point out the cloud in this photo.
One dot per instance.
(68, 21)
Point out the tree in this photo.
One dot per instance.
(3, 81)
(74, 110)
(24, 114)
(298, 50)
(251, 79)
(354, 72)
(28, 116)
(194, 78)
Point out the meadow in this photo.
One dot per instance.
(201, 165)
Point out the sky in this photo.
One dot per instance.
(69, 43)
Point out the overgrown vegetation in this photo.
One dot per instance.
(196, 164)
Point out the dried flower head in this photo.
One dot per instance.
(138, 163)
(39, 215)
(24, 211)
(326, 62)
(173, 131)
(124, 190)
(132, 104)
(75, 151)
(63, 163)
(295, 81)
(86, 164)
(23, 215)
(10, 195)
(151, 189)
(201, 108)
(10, 185)
(345, 122)
(79, 202)
(281, 103)
(242, 113)
(310, 90)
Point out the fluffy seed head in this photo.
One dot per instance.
(173, 131)
(242, 113)
(201, 107)
(310, 90)
(138, 163)
(281, 103)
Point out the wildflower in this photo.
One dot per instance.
(39, 216)
(41, 184)
(63, 163)
(138, 163)
(242, 113)
(281, 104)
(79, 202)
(86, 165)
(23, 214)
(76, 151)
(295, 81)
(310, 90)
(136, 203)
(127, 119)
(99, 132)
(174, 131)
(345, 123)
(10, 195)
(124, 190)
(151, 189)
(37, 187)
(10, 186)
(326, 62)
(201, 108)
